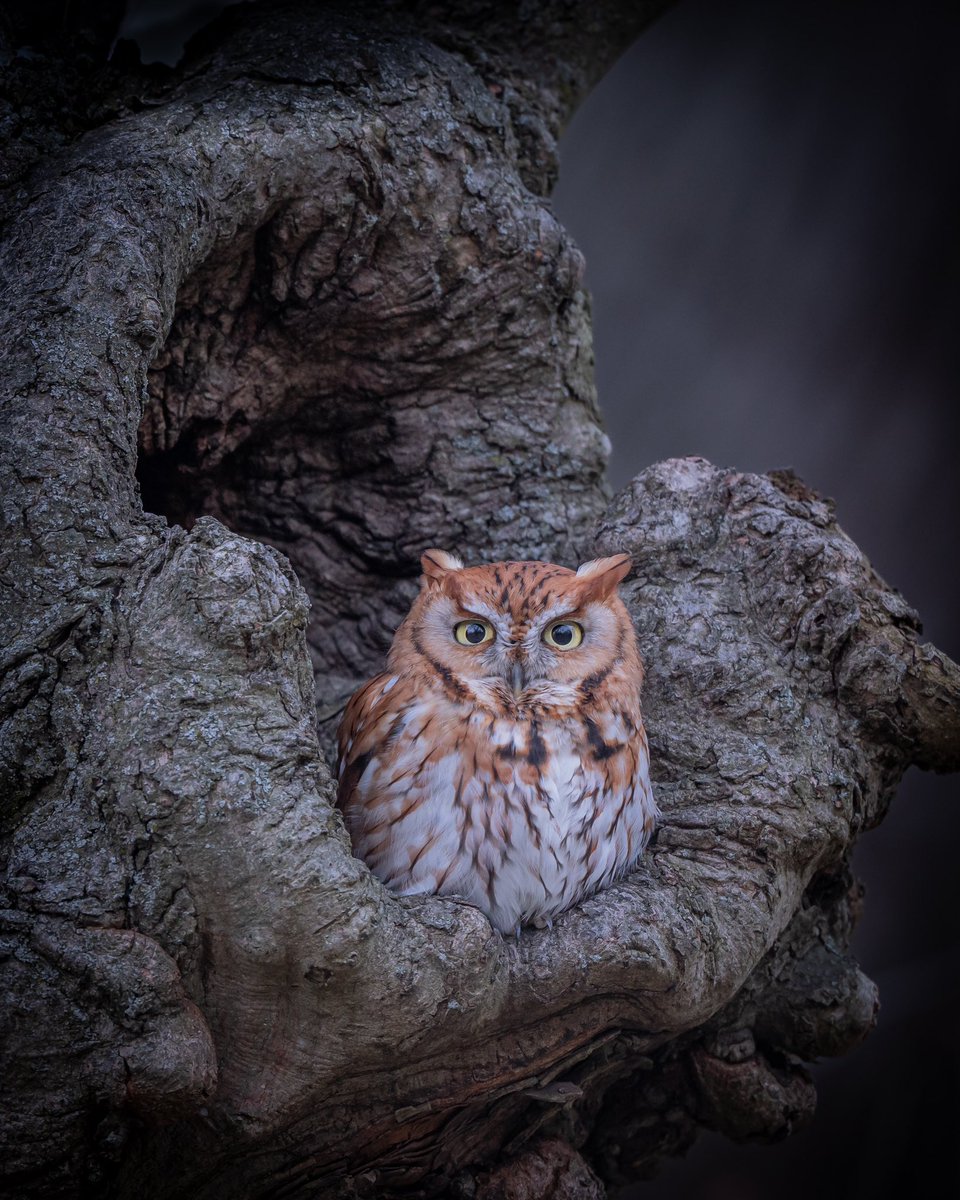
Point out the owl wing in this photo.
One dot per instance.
(363, 728)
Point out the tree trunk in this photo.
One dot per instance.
(307, 297)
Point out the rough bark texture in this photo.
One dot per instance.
(313, 279)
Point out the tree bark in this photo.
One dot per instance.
(307, 297)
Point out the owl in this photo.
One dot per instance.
(501, 757)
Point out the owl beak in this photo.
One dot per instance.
(518, 678)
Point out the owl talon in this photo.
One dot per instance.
(516, 931)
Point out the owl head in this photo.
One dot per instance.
(520, 631)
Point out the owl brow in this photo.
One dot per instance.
(481, 612)
(562, 611)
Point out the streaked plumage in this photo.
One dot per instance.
(511, 771)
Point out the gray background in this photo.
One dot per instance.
(767, 197)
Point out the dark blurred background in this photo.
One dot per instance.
(767, 196)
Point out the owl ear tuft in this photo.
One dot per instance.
(437, 565)
(600, 576)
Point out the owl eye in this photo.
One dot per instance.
(563, 635)
(473, 633)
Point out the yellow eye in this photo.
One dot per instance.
(563, 635)
(473, 633)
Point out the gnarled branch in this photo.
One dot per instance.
(314, 284)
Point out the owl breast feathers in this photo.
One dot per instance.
(502, 757)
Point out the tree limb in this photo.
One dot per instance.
(314, 285)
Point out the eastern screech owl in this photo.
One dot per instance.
(502, 756)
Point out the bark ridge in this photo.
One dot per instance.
(306, 298)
